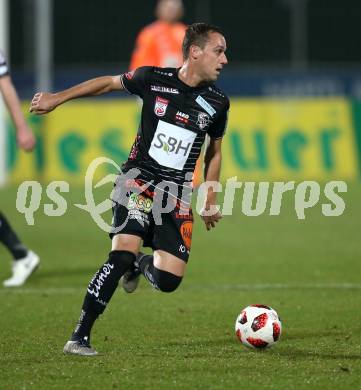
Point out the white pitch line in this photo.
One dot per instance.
(208, 287)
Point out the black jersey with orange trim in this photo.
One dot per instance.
(174, 122)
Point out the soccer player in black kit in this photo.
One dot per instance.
(180, 107)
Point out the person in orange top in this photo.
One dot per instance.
(160, 43)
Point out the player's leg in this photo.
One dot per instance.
(128, 231)
(163, 270)
(100, 290)
(25, 261)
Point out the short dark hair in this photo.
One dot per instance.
(197, 34)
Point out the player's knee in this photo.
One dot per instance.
(121, 257)
(166, 281)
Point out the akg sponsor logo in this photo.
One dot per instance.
(171, 144)
(158, 88)
(160, 106)
(182, 117)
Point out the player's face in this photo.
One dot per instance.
(213, 57)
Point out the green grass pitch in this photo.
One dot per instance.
(309, 271)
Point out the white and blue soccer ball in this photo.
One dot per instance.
(258, 326)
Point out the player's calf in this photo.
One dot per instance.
(161, 280)
(166, 281)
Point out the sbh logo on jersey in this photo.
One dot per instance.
(203, 120)
(171, 145)
(160, 106)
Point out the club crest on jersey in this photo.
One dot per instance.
(160, 106)
(203, 120)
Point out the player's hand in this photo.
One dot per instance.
(43, 102)
(210, 219)
(25, 138)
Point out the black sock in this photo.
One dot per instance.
(100, 290)
(146, 268)
(11, 241)
(84, 326)
(161, 280)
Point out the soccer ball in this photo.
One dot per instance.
(258, 326)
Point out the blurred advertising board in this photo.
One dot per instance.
(266, 139)
(290, 139)
(72, 136)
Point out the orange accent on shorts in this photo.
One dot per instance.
(186, 232)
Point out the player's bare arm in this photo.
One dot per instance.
(24, 135)
(44, 102)
(212, 169)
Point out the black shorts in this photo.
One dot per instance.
(172, 235)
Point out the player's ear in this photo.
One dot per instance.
(195, 52)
